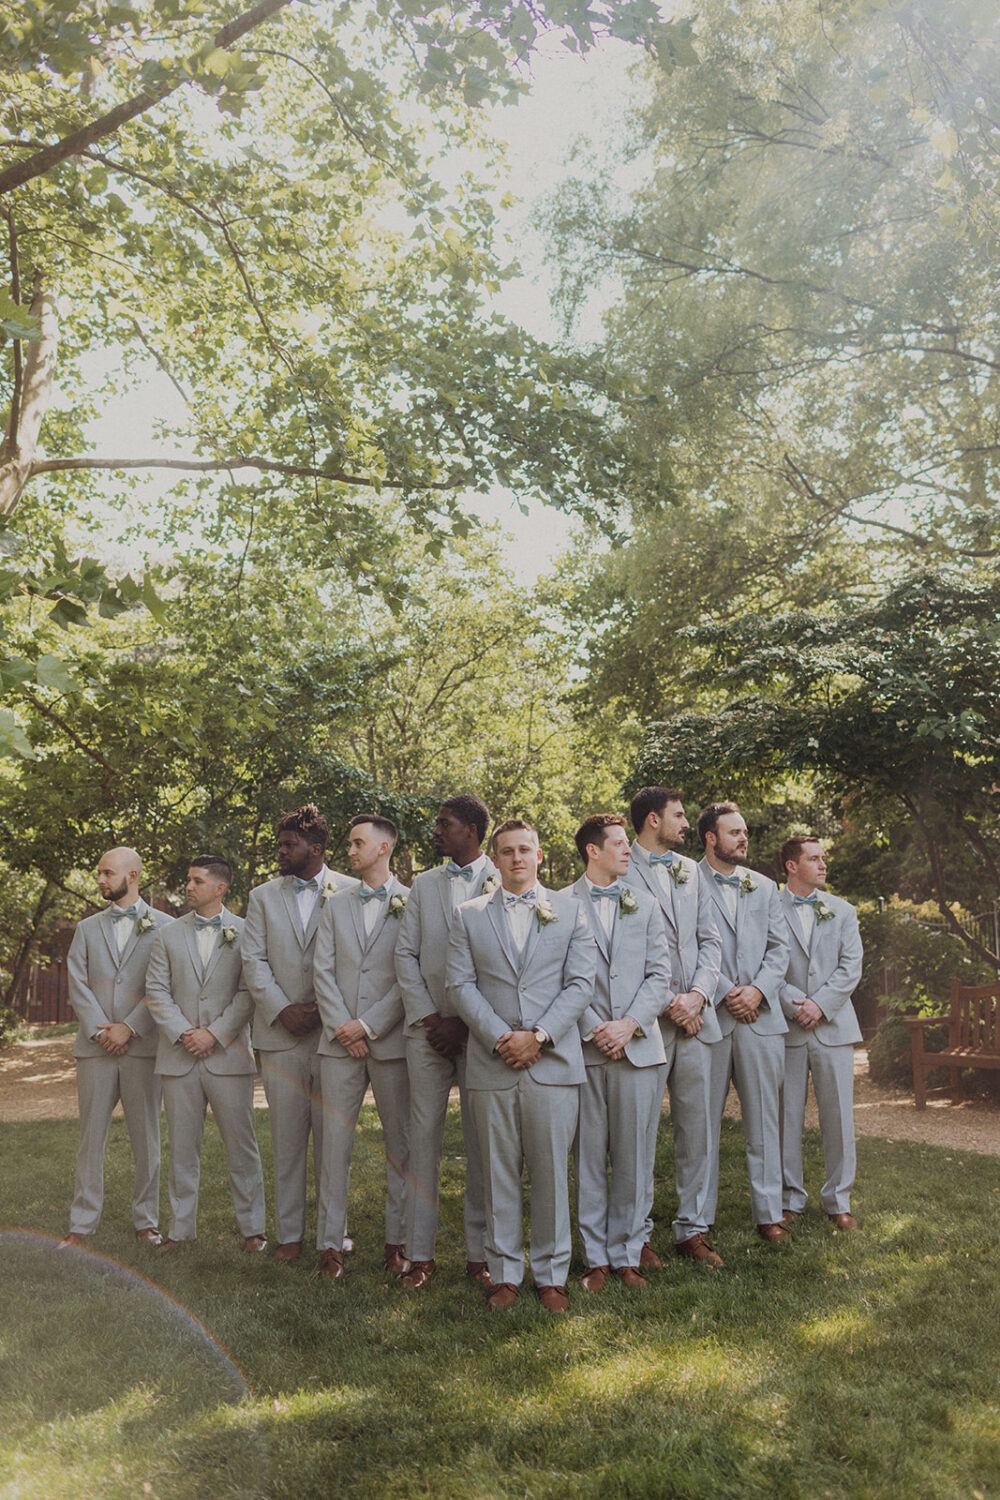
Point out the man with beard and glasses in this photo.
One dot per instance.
(115, 1046)
(279, 941)
(748, 1005)
(436, 1036)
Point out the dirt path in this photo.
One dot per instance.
(38, 1082)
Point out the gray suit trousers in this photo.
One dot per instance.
(295, 1105)
(101, 1082)
(614, 1152)
(530, 1125)
(431, 1080)
(832, 1070)
(345, 1082)
(690, 1083)
(756, 1064)
(185, 1099)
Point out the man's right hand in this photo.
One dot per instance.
(446, 1034)
(299, 1019)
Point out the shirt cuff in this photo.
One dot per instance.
(369, 1032)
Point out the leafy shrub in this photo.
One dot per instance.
(910, 966)
(11, 1026)
(890, 1052)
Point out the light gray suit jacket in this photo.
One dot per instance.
(355, 975)
(104, 988)
(495, 990)
(632, 976)
(828, 972)
(754, 949)
(181, 995)
(692, 936)
(422, 947)
(278, 956)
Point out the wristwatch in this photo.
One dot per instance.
(541, 1037)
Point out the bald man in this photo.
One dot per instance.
(115, 1047)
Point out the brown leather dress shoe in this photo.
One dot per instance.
(167, 1247)
(331, 1265)
(290, 1250)
(698, 1248)
(775, 1234)
(73, 1241)
(843, 1221)
(504, 1295)
(649, 1260)
(478, 1271)
(149, 1237)
(790, 1215)
(254, 1243)
(595, 1278)
(629, 1276)
(553, 1298)
(418, 1275)
(396, 1262)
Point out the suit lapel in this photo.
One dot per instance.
(795, 926)
(325, 878)
(582, 891)
(214, 955)
(505, 937)
(191, 939)
(644, 871)
(358, 917)
(292, 908)
(108, 928)
(721, 904)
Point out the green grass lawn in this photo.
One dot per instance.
(864, 1365)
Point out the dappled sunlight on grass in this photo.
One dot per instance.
(846, 1327)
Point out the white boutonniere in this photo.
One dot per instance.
(229, 934)
(329, 889)
(145, 923)
(397, 905)
(490, 884)
(747, 884)
(544, 913)
(627, 904)
(678, 874)
(823, 912)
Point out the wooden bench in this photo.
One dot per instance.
(973, 1038)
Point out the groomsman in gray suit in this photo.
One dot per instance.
(623, 1055)
(520, 973)
(754, 937)
(824, 970)
(115, 1046)
(195, 994)
(361, 1041)
(436, 1037)
(688, 1021)
(278, 945)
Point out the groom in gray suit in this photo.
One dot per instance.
(688, 1021)
(195, 994)
(436, 1037)
(361, 1041)
(520, 973)
(115, 1046)
(754, 937)
(623, 1055)
(278, 946)
(824, 969)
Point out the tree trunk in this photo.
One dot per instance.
(28, 411)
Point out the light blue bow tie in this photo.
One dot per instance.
(459, 872)
(119, 913)
(367, 894)
(805, 900)
(612, 892)
(727, 879)
(304, 885)
(201, 923)
(529, 898)
(663, 859)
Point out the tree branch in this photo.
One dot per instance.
(51, 156)
(215, 465)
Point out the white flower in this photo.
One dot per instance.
(329, 889)
(145, 922)
(490, 884)
(397, 905)
(229, 934)
(627, 904)
(544, 913)
(678, 874)
(747, 884)
(823, 912)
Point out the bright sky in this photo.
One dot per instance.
(571, 98)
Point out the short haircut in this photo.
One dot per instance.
(651, 799)
(792, 848)
(472, 811)
(594, 830)
(385, 826)
(308, 822)
(708, 822)
(216, 864)
(511, 825)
